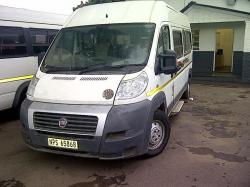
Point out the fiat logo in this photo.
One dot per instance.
(63, 122)
(108, 94)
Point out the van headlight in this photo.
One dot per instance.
(32, 86)
(132, 88)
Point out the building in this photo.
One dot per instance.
(221, 36)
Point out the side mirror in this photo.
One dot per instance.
(167, 62)
(40, 57)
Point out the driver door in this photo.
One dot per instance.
(164, 80)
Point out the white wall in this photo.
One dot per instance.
(239, 33)
(208, 35)
(247, 37)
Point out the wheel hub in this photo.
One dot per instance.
(157, 135)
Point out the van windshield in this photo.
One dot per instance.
(110, 48)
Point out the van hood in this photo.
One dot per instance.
(77, 89)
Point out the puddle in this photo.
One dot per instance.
(102, 181)
(242, 96)
(219, 155)
(11, 183)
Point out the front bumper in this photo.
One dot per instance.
(122, 131)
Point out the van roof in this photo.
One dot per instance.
(127, 12)
(30, 16)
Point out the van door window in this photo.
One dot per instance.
(178, 46)
(187, 42)
(164, 41)
(12, 42)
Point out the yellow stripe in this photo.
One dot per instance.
(16, 78)
(159, 88)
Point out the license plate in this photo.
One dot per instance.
(60, 143)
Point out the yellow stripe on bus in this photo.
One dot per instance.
(16, 78)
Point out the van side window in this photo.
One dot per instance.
(12, 42)
(41, 39)
(187, 42)
(178, 46)
(164, 40)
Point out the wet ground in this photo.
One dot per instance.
(209, 146)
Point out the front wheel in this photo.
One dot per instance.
(160, 133)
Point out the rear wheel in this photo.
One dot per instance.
(160, 133)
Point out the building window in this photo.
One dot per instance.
(12, 42)
(178, 46)
(41, 39)
(187, 42)
(196, 38)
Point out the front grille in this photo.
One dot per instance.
(76, 124)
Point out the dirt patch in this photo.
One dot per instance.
(220, 129)
(103, 181)
(245, 92)
(227, 102)
(206, 111)
(219, 155)
(11, 183)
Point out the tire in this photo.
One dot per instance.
(156, 146)
(186, 94)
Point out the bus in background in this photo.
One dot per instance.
(24, 35)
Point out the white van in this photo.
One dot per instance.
(23, 36)
(109, 82)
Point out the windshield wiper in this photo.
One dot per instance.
(125, 65)
(92, 68)
(106, 67)
(51, 69)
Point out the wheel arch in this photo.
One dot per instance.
(159, 102)
(21, 90)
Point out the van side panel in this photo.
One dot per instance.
(14, 72)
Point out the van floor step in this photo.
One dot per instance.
(177, 107)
